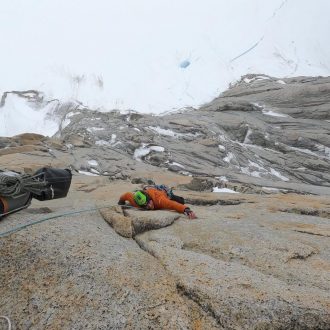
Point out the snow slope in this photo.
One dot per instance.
(156, 56)
(18, 115)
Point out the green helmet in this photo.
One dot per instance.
(140, 198)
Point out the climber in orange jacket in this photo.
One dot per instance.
(154, 199)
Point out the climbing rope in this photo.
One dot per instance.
(8, 321)
(11, 185)
(19, 228)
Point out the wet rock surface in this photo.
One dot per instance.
(255, 258)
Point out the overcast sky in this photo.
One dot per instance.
(127, 54)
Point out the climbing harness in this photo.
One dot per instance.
(168, 191)
(161, 187)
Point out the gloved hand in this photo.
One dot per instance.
(150, 205)
(189, 213)
(121, 202)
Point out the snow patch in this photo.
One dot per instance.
(186, 173)
(273, 114)
(94, 129)
(157, 148)
(249, 80)
(262, 78)
(223, 137)
(177, 164)
(246, 170)
(246, 139)
(271, 189)
(144, 151)
(253, 164)
(65, 123)
(224, 190)
(163, 131)
(168, 132)
(324, 149)
(71, 114)
(278, 174)
(103, 143)
(222, 178)
(88, 173)
(18, 116)
(113, 138)
(229, 157)
(93, 162)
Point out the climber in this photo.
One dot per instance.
(154, 199)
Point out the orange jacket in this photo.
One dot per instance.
(159, 198)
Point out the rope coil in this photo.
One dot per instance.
(11, 185)
(8, 321)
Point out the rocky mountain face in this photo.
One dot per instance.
(255, 259)
(261, 132)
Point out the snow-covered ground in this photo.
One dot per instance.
(154, 56)
(18, 116)
(224, 190)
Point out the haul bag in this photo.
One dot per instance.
(58, 183)
(14, 203)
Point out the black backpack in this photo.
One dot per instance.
(58, 183)
(169, 192)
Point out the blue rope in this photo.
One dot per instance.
(19, 228)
